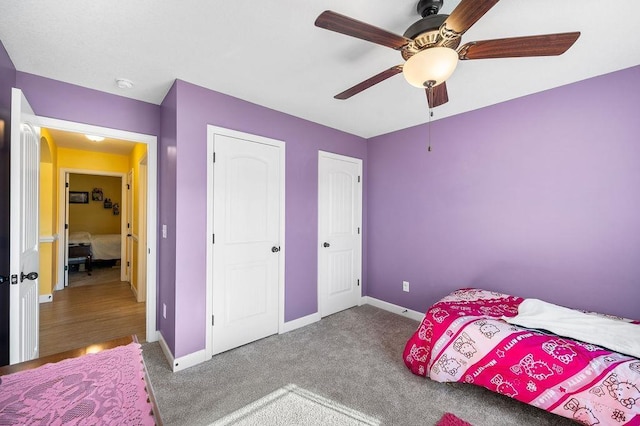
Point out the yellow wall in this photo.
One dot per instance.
(87, 160)
(93, 217)
(48, 214)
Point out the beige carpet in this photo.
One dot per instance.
(292, 405)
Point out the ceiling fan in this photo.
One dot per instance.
(431, 46)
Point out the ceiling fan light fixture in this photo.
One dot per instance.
(430, 67)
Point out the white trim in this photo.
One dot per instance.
(299, 323)
(47, 238)
(360, 164)
(396, 309)
(211, 132)
(45, 298)
(152, 163)
(184, 362)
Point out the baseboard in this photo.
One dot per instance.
(45, 298)
(405, 312)
(299, 323)
(184, 362)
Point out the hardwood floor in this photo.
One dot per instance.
(80, 316)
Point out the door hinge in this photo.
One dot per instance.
(212, 320)
(213, 238)
(128, 225)
(66, 184)
(358, 179)
(66, 268)
(358, 230)
(214, 157)
(358, 282)
(128, 264)
(66, 226)
(128, 186)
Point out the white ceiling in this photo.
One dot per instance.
(65, 139)
(270, 53)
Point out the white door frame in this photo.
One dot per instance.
(359, 162)
(152, 195)
(211, 132)
(63, 205)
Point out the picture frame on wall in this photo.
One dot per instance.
(78, 197)
(96, 194)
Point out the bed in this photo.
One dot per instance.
(102, 246)
(465, 337)
(99, 384)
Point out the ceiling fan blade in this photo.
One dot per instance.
(333, 21)
(369, 82)
(464, 16)
(540, 45)
(437, 95)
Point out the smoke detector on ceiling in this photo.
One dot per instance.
(124, 83)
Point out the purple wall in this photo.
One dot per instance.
(537, 197)
(167, 216)
(7, 81)
(198, 107)
(64, 101)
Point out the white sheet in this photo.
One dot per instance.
(79, 237)
(617, 335)
(105, 246)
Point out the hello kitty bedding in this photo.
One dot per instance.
(463, 339)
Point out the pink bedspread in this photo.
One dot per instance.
(106, 388)
(462, 339)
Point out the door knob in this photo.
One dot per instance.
(326, 245)
(29, 276)
(275, 249)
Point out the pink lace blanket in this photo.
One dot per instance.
(105, 388)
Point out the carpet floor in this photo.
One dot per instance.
(352, 358)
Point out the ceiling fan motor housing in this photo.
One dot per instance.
(429, 7)
(424, 34)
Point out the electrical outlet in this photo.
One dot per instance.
(164, 310)
(405, 286)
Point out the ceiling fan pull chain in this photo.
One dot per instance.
(429, 124)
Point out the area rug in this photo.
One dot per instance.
(451, 420)
(294, 405)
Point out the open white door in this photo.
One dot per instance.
(24, 257)
(129, 250)
(66, 230)
(339, 232)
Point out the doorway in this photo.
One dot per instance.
(146, 226)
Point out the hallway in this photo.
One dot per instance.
(79, 316)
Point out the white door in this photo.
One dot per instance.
(339, 232)
(24, 257)
(66, 230)
(247, 210)
(129, 248)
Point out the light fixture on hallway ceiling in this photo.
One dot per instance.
(94, 138)
(124, 83)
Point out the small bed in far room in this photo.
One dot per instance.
(105, 246)
(465, 337)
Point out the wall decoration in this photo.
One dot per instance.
(107, 203)
(77, 197)
(96, 194)
(116, 209)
